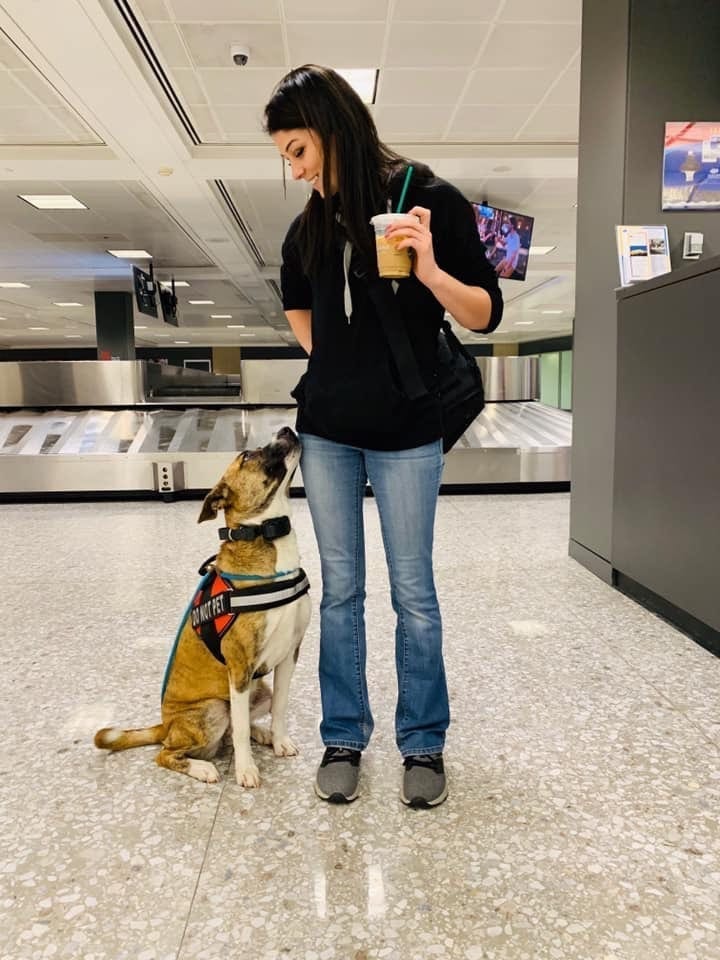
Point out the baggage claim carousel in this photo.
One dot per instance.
(137, 428)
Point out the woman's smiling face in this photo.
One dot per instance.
(303, 151)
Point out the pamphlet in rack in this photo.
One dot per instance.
(643, 252)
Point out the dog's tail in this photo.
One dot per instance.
(115, 738)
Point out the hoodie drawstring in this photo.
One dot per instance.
(347, 254)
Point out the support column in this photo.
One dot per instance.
(642, 64)
(226, 359)
(114, 325)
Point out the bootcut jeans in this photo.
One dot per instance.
(405, 484)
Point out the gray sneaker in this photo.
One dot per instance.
(338, 774)
(424, 782)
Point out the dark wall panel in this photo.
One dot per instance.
(666, 530)
(603, 92)
(642, 64)
(674, 75)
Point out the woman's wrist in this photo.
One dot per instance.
(435, 280)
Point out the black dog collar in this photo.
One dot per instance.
(271, 529)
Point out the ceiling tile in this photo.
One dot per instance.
(168, 40)
(434, 44)
(38, 86)
(542, 11)
(420, 86)
(187, 84)
(489, 122)
(209, 44)
(268, 210)
(552, 123)
(449, 10)
(508, 86)
(230, 86)
(20, 125)
(567, 89)
(331, 10)
(508, 193)
(240, 123)
(411, 121)
(205, 124)
(10, 56)
(531, 45)
(11, 93)
(213, 11)
(78, 130)
(153, 9)
(349, 44)
(559, 194)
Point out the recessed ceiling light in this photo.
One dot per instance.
(199, 303)
(140, 328)
(247, 334)
(551, 311)
(11, 285)
(178, 283)
(221, 316)
(363, 82)
(38, 328)
(131, 254)
(66, 303)
(524, 323)
(52, 201)
(159, 335)
(181, 341)
(539, 251)
(235, 326)
(73, 336)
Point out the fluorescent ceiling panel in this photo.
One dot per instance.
(52, 201)
(363, 82)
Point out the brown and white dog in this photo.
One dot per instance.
(209, 683)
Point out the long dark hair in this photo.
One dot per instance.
(319, 99)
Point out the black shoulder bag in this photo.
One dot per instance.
(459, 379)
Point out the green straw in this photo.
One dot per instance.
(406, 184)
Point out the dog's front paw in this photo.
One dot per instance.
(261, 735)
(248, 776)
(284, 747)
(203, 770)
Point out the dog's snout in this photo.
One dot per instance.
(285, 433)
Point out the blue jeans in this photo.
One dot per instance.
(405, 484)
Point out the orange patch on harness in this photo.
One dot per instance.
(211, 605)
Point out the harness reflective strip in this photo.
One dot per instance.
(275, 598)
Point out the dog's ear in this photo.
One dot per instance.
(214, 501)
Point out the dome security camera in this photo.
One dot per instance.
(240, 54)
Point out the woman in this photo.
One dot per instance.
(355, 422)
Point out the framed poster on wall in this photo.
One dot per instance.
(691, 166)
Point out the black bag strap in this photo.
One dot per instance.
(381, 294)
(383, 297)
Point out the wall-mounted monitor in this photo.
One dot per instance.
(168, 303)
(144, 286)
(198, 365)
(507, 236)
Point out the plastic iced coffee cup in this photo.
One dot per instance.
(393, 264)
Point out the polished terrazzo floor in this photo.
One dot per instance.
(583, 755)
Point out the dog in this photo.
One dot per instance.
(230, 638)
